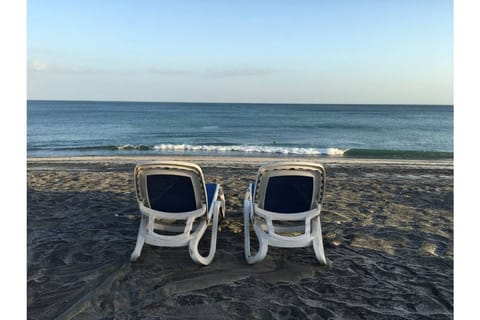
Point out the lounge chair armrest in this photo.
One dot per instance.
(249, 192)
(248, 200)
(212, 191)
(172, 215)
(287, 216)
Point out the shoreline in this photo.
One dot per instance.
(447, 163)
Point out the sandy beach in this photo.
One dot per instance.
(387, 228)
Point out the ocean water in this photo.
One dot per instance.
(74, 128)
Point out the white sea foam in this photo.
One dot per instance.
(133, 147)
(127, 147)
(249, 149)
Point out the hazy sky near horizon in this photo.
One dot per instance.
(348, 51)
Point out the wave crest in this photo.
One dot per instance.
(249, 149)
(134, 147)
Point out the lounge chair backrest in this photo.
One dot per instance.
(170, 187)
(289, 187)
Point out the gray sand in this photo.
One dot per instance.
(388, 236)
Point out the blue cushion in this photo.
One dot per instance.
(289, 194)
(171, 193)
(211, 188)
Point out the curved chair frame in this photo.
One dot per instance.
(196, 221)
(262, 220)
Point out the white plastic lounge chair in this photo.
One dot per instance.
(176, 206)
(284, 207)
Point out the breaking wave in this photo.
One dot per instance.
(249, 149)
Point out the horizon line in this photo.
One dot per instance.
(216, 102)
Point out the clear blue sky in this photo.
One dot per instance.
(338, 51)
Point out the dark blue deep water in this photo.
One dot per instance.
(72, 128)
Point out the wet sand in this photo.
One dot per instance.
(387, 227)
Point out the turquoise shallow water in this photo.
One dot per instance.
(73, 128)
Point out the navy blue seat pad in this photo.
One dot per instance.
(289, 194)
(211, 187)
(171, 193)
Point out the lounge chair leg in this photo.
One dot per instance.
(263, 244)
(138, 248)
(318, 241)
(193, 245)
(140, 241)
(222, 201)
